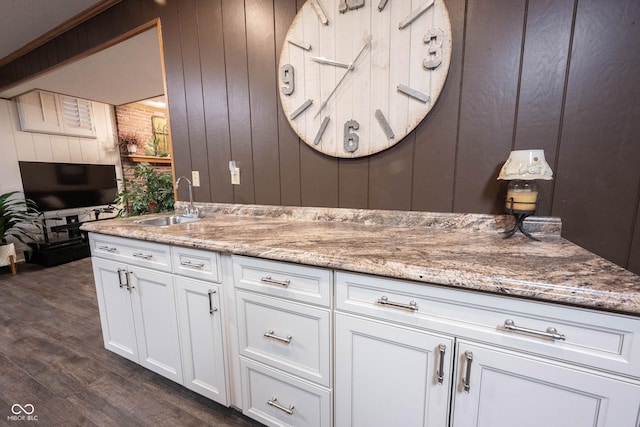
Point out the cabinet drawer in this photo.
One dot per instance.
(277, 399)
(196, 263)
(285, 280)
(588, 337)
(285, 335)
(135, 252)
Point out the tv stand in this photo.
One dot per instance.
(52, 252)
(57, 252)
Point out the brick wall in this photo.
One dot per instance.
(136, 118)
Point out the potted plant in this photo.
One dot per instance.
(129, 142)
(17, 219)
(148, 192)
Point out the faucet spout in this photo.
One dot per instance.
(191, 210)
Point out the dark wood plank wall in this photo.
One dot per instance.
(553, 74)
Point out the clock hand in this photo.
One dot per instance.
(322, 60)
(349, 69)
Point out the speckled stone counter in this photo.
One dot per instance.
(459, 250)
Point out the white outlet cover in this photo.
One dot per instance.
(195, 178)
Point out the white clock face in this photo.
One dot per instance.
(356, 76)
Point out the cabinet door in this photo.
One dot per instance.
(387, 375)
(507, 389)
(154, 312)
(114, 304)
(39, 112)
(200, 322)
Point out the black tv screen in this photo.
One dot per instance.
(56, 186)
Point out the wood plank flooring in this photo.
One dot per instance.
(52, 357)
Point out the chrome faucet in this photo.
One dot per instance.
(190, 211)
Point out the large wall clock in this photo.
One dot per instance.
(356, 76)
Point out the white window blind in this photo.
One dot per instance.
(77, 113)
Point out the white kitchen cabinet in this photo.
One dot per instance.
(280, 400)
(389, 375)
(284, 341)
(138, 317)
(524, 363)
(155, 319)
(200, 320)
(116, 315)
(502, 388)
(289, 336)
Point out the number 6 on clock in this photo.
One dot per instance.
(351, 138)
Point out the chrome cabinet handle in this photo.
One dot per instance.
(466, 381)
(212, 309)
(412, 306)
(143, 256)
(274, 402)
(120, 270)
(270, 334)
(127, 274)
(191, 264)
(550, 333)
(440, 374)
(107, 248)
(269, 280)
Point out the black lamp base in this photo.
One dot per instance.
(519, 218)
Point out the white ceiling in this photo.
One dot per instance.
(23, 21)
(126, 72)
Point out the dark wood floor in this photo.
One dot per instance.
(52, 356)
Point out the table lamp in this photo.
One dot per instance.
(523, 168)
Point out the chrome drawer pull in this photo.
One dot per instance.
(107, 248)
(440, 374)
(550, 333)
(269, 280)
(212, 309)
(412, 306)
(274, 402)
(127, 274)
(143, 256)
(271, 335)
(120, 270)
(191, 264)
(466, 381)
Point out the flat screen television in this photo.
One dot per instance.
(57, 186)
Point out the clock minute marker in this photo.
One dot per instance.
(413, 93)
(301, 109)
(300, 43)
(417, 13)
(323, 128)
(326, 61)
(322, 15)
(382, 5)
(384, 124)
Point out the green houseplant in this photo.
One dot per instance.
(17, 219)
(148, 192)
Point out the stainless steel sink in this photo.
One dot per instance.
(166, 221)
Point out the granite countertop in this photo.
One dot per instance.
(465, 251)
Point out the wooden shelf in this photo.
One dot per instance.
(149, 159)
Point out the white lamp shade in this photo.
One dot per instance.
(526, 165)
